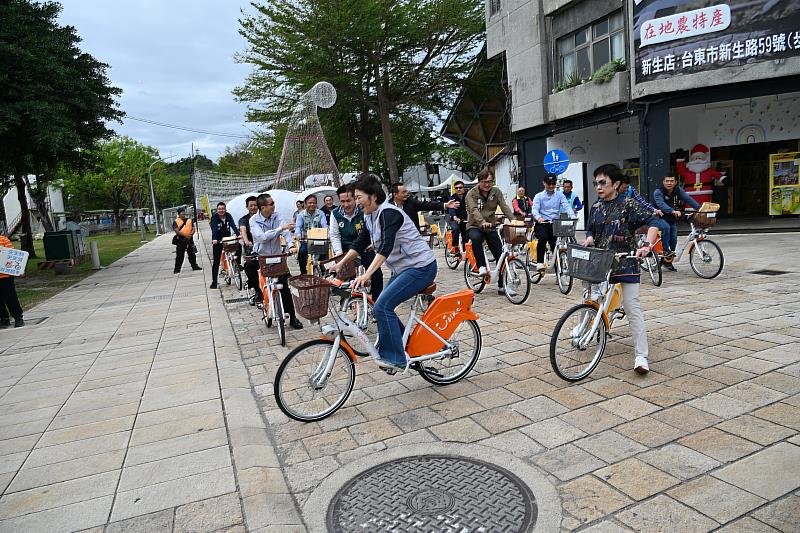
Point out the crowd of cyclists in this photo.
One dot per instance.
(384, 231)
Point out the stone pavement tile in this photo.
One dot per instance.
(420, 398)
(345, 417)
(261, 479)
(152, 473)
(751, 344)
(587, 498)
(85, 431)
(567, 462)
(176, 428)
(720, 445)
(686, 418)
(456, 408)
(417, 419)
(752, 365)
(251, 455)
(755, 429)
(748, 525)
(463, 430)
(721, 405)
(700, 359)
(606, 526)
(329, 443)
(23, 430)
(58, 494)
(628, 407)
(713, 498)
(783, 515)
(695, 385)
(514, 442)
(530, 387)
(673, 368)
(784, 354)
(769, 473)
(209, 515)
(271, 511)
(663, 395)
(591, 419)
(163, 449)
(500, 419)
(12, 462)
(291, 430)
(94, 415)
(610, 387)
(610, 446)
(793, 400)
(539, 408)
(781, 413)
(495, 397)
(373, 431)
(753, 393)
(665, 514)
(380, 408)
(76, 449)
(552, 432)
(5, 479)
(725, 374)
(523, 371)
(574, 397)
(779, 382)
(306, 476)
(415, 437)
(792, 370)
(159, 522)
(679, 461)
(73, 517)
(28, 478)
(385, 390)
(636, 478)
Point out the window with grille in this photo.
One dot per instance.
(494, 7)
(582, 52)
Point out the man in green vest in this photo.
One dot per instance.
(347, 221)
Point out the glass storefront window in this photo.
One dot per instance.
(589, 48)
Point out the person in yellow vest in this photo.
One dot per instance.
(183, 240)
(9, 303)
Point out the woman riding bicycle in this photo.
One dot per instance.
(613, 221)
(398, 243)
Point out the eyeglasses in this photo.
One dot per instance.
(459, 188)
(487, 180)
(270, 204)
(601, 183)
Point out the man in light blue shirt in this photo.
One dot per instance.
(546, 207)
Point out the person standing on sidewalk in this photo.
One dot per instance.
(222, 225)
(9, 303)
(184, 240)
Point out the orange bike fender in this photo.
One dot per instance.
(347, 349)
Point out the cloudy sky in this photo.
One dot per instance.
(173, 59)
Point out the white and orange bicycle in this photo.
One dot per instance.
(443, 345)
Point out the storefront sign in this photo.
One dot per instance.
(673, 37)
(784, 184)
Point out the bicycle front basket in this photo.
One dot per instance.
(589, 264)
(513, 234)
(310, 295)
(564, 228)
(273, 266)
(704, 220)
(232, 246)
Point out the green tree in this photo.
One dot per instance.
(259, 156)
(387, 59)
(118, 181)
(56, 100)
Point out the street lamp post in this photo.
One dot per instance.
(152, 192)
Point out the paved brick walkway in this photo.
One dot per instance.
(708, 438)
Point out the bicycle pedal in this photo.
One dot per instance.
(390, 371)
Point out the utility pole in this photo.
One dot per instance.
(153, 194)
(194, 193)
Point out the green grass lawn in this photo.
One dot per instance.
(39, 285)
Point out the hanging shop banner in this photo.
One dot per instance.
(784, 184)
(673, 37)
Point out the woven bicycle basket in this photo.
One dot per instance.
(273, 266)
(515, 234)
(232, 246)
(589, 264)
(564, 228)
(706, 216)
(310, 295)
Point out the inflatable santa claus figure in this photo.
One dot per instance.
(698, 176)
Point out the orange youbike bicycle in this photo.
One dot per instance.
(230, 266)
(514, 273)
(443, 345)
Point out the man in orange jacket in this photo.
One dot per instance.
(9, 303)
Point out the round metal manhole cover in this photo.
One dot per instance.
(433, 493)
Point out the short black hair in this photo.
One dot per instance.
(566, 181)
(343, 189)
(395, 187)
(328, 196)
(459, 182)
(309, 197)
(370, 184)
(626, 179)
(250, 199)
(261, 201)
(221, 204)
(609, 169)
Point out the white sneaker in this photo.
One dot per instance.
(539, 266)
(482, 271)
(640, 366)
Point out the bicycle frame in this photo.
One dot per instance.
(502, 262)
(610, 292)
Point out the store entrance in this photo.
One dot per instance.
(746, 190)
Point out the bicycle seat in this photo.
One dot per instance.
(430, 289)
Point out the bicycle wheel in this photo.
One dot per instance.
(652, 263)
(569, 361)
(516, 281)
(454, 366)
(361, 314)
(302, 393)
(473, 280)
(451, 260)
(706, 259)
(237, 276)
(562, 273)
(277, 313)
(535, 274)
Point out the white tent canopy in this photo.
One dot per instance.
(446, 184)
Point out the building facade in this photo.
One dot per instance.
(640, 83)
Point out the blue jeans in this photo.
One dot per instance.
(665, 229)
(400, 288)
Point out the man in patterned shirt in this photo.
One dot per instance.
(612, 224)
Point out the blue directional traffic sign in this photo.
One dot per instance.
(556, 162)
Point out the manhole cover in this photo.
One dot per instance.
(434, 493)
(769, 272)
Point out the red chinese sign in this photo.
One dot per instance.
(685, 25)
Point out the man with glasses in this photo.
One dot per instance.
(266, 226)
(482, 202)
(247, 241)
(458, 216)
(612, 224)
(548, 206)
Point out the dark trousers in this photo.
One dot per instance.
(251, 270)
(9, 303)
(477, 236)
(376, 280)
(217, 255)
(544, 232)
(302, 257)
(184, 248)
(459, 232)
